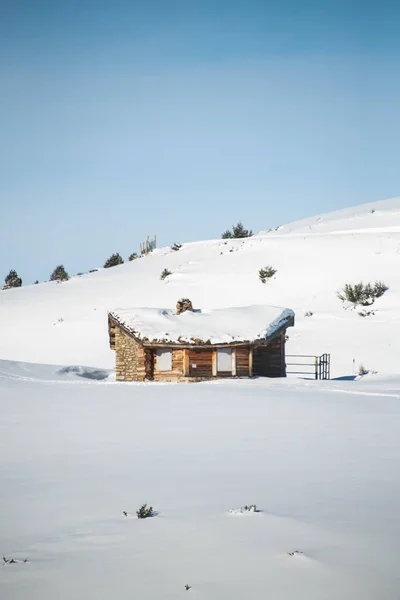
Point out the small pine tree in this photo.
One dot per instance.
(12, 280)
(144, 512)
(165, 274)
(238, 231)
(59, 274)
(113, 261)
(266, 273)
(379, 289)
(362, 294)
(132, 256)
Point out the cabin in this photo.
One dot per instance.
(160, 344)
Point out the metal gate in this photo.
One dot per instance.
(318, 366)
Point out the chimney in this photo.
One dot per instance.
(183, 305)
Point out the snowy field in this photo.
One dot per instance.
(320, 459)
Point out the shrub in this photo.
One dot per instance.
(12, 280)
(113, 261)
(176, 247)
(266, 273)
(13, 561)
(165, 274)
(379, 289)
(238, 231)
(250, 508)
(308, 313)
(59, 274)
(132, 256)
(93, 270)
(362, 294)
(144, 512)
(366, 313)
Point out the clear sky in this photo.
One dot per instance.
(180, 117)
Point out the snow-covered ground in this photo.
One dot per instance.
(321, 460)
(66, 323)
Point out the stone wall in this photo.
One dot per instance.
(130, 365)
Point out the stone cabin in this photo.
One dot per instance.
(153, 344)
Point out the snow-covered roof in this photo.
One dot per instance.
(217, 326)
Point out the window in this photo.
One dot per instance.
(164, 360)
(224, 360)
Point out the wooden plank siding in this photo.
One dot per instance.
(111, 333)
(242, 362)
(203, 361)
(269, 361)
(178, 363)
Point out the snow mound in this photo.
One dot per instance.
(373, 217)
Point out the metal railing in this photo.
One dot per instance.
(320, 365)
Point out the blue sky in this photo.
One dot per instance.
(180, 117)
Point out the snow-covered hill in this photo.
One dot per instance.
(66, 323)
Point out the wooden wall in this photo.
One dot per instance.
(111, 334)
(269, 361)
(178, 359)
(242, 361)
(203, 361)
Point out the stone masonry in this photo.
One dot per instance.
(130, 363)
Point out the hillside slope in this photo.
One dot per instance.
(66, 323)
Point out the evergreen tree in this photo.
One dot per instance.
(238, 231)
(12, 280)
(59, 274)
(113, 261)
